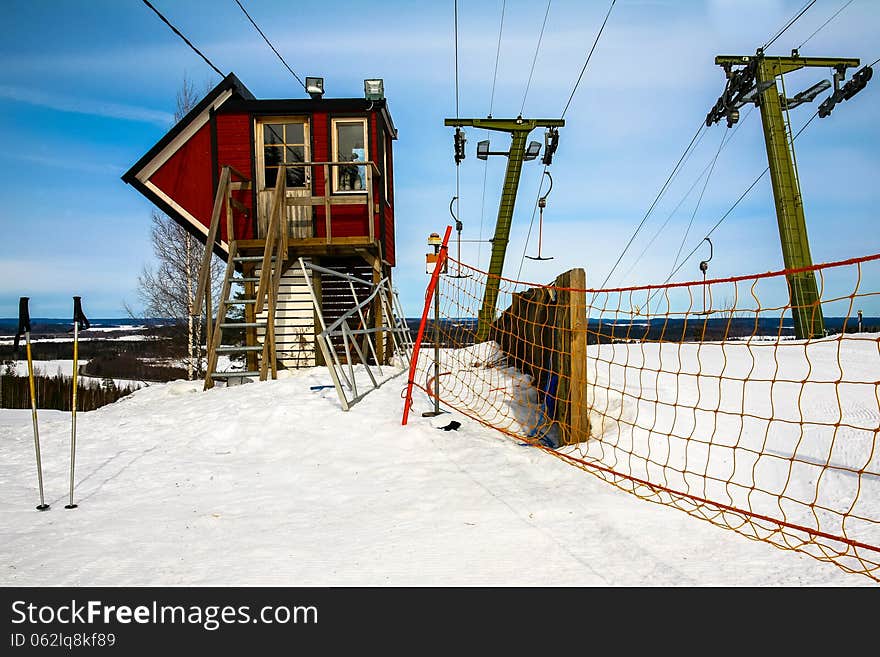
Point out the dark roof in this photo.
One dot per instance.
(230, 82)
(309, 105)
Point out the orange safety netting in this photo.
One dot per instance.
(695, 395)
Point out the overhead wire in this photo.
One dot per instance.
(269, 43)
(589, 56)
(785, 28)
(185, 40)
(491, 107)
(657, 198)
(823, 25)
(732, 208)
(659, 231)
(531, 223)
(789, 24)
(535, 58)
(567, 104)
(700, 198)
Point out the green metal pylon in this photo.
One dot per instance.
(806, 306)
(519, 129)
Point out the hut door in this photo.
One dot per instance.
(282, 143)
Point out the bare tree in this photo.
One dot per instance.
(167, 289)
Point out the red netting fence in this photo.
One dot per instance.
(695, 395)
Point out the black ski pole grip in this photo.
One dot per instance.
(24, 320)
(78, 314)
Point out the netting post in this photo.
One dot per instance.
(432, 286)
(571, 356)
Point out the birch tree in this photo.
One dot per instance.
(167, 288)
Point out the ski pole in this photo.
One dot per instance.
(78, 318)
(24, 326)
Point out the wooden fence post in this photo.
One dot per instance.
(571, 357)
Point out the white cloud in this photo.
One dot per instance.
(85, 106)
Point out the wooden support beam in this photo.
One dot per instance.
(250, 316)
(328, 230)
(379, 337)
(319, 296)
(211, 239)
(570, 357)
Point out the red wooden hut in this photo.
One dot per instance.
(335, 158)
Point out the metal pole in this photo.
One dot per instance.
(43, 506)
(437, 336)
(441, 258)
(71, 505)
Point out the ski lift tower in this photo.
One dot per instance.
(755, 83)
(519, 129)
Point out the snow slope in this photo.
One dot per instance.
(272, 484)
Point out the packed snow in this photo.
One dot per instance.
(271, 483)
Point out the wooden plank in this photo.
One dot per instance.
(205, 267)
(321, 200)
(209, 327)
(328, 231)
(571, 342)
(378, 315)
(244, 246)
(250, 314)
(221, 316)
(370, 219)
(271, 235)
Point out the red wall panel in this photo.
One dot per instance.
(186, 176)
(320, 150)
(234, 149)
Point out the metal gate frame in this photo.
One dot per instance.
(343, 381)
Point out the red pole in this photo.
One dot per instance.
(432, 286)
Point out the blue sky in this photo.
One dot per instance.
(86, 87)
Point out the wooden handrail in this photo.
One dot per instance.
(205, 267)
(271, 230)
(358, 163)
(235, 172)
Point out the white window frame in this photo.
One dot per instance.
(335, 151)
(260, 122)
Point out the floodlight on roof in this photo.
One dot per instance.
(315, 87)
(374, 89)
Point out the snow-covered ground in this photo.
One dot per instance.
(85, 338)
(272, 484)
(65, 368)
(788, 432)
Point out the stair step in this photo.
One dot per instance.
(231, 302)
(251, 258)
(238, 350)
(232, 375)
(243, 325)
(247, 279)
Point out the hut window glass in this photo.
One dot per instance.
(284, 144)
(350, 145)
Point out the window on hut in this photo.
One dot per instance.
(284, 144)
(350, 145)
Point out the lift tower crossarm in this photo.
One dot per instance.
(806, 308)
(505, 125)
(519, 129)
(787, 64)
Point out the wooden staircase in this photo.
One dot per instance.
(261, 265)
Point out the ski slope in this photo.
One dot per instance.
(272, 484)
